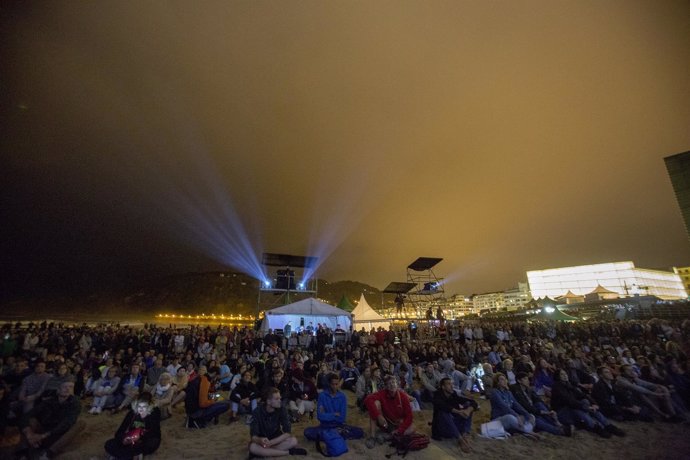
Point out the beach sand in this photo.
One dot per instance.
(223, 441)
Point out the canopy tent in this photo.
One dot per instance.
(345, 304)
(554, 314)
(366, 317)
(306, 311)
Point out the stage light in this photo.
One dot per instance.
(267, 284)
(549, 309)
(301, 286)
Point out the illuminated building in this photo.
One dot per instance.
(509, 300)
(623, 278)
(489, 301)
(461, 305)
(518, 297)
(678, 167)
(684, 273)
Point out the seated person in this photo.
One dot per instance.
(280, 382)
(613, 404)
(243, 398)
(104, 390)
(32, 387)
(209, 407)
(573, 407)
(180, 382)
(62, 375)
(140, 430)
(130, 388)
(349, 374)
(545, 419)
(331, 409)
(270, 429)
(452, 415)
(163, 394)
(364, 387)
(655, 397)
(430, 379)
(389, 409)
(507, 410)
(52, 423)
(303, 395)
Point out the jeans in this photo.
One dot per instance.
(451, 425)
(511, 423)
(569, 416)
(214, 410)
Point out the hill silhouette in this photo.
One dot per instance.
(207, 292)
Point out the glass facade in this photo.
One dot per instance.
(620, 277)
(678, 167)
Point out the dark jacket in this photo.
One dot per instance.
(446, 403)
(566, 395)
(528, 398)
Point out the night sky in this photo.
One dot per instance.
(141, 139)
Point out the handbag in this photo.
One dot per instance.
(133, 436)
(493, 430)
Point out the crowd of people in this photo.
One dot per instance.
(538, 378)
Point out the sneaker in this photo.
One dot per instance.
(615, 430)
(248, 420)
(97, 410)
(297, 451)
(602, 432)
(567, 430)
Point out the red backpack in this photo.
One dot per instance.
(407, 442)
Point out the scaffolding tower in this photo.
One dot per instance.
(428, 297)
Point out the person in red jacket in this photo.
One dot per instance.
(390, 409)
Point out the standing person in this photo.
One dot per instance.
(452, 415)
(140, 431)
(270, 429)
(52, 423)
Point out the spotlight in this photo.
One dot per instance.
(431, 287)
(267, 284)
(300, 286)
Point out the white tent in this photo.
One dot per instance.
(366, 317)
(306, 311)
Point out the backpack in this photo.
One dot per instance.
(333, 443)
(407, 442)
(191, 399)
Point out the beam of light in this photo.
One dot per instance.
(340, 208)
(461, 273)
(195, 204)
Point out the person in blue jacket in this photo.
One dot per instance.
(507, 410)
(331, 411)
